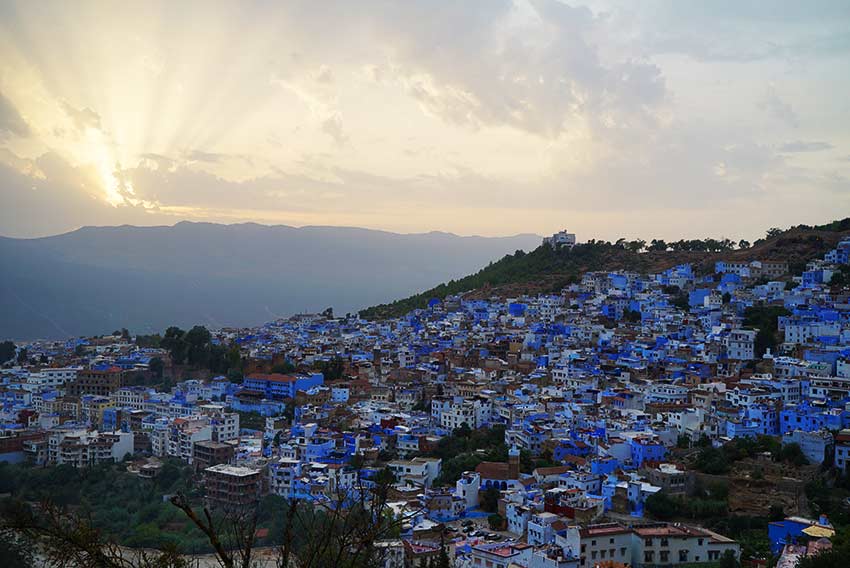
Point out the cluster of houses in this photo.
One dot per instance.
(601, 381)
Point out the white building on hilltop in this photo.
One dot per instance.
(561, 239)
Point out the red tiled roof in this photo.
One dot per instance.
(604, 530)
(555, 470)
(493, 470)
(578, 460)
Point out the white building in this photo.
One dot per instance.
(813, 444)
(741, 344)
(561, 239)
(467, 488)
(83, 448)
(419, 471)
(540, 530)
(52, 378)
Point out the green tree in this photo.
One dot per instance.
(443, 557)
(149, 341)
(631, 315)
(728, 560)
(657, 245)
(712, 461)
(681, 302)
(157, 367)
(496, 521)
(198, 346)
(7, 351)
(283, 368)
(16, 551)
(332, 369)
(662, 506)
(766, 320)
(792, 453)
(174, 342)
(462, 431)
(841, 277)
(636, 245)
(490, 499)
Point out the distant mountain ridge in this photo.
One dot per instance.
(547, 270)
(96, 279)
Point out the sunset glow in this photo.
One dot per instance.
(408, 118)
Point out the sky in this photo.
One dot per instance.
(652, 119)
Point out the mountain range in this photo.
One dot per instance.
(97, 279)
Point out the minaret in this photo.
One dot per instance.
(513, 463)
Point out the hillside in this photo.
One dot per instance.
(98, 279)
(547, 270)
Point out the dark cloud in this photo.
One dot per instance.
(209, 157)
(480, 63)
(82, 118)
(332, 126)
(46, 196)
(772, 104)
(803, 146)
(11, 121)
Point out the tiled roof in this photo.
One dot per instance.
(493, 470)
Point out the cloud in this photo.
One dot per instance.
(48, 195)
(425, 108)
(332, 126)
(83, 118)
(773, 105)
(803, 146)
(535, 66)
(315, 89)
(200, 156)
(539, 70)
(11, 121)
(732, 31)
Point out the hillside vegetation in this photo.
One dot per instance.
(545, 269)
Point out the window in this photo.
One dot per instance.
(648, 556)
(610, 541)
(647, 542)
(623, 551)
(665, 555)
(683, 556)
(665, 542)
